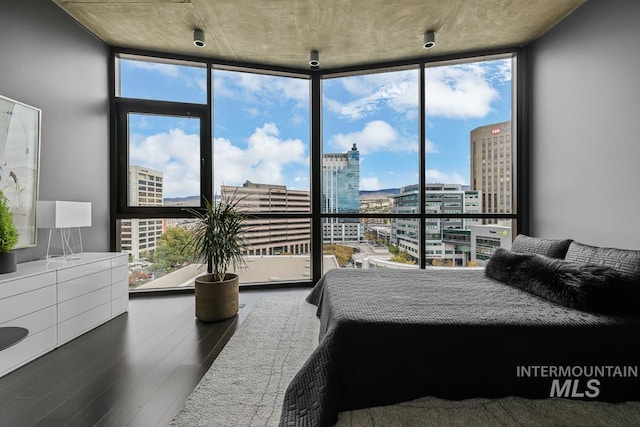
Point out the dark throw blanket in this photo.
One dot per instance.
(389, 336)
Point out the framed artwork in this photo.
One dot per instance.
(19, 165)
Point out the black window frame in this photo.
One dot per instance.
(126, 106)
(121, 106)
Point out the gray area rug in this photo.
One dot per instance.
(246, 384)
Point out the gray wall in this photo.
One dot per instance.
(585, 127)
(50, 62)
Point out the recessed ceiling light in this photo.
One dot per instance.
(198, 37)
(429, 39)
(314, 59)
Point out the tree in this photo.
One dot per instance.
(172, 250)
(138, 276)
(403, 257)
(393, 249)
(342, 253)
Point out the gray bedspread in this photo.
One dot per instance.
(388, 336)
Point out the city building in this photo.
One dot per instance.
(445, 238)
(485, 239)
(492, 166)
(139, 236)
(341, 194)
(274, 236)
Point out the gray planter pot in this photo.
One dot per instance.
(8, 262)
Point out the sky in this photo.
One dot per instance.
(261, 123)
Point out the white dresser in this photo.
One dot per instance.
(58, 301)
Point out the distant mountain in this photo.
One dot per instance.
(379, 194)
(182, 201)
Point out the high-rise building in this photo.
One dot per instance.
(341, 194)
(445, 238)
(273, 236)
(140, 236)
(491, 166)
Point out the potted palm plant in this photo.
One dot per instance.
(8, 238)
(219, 243)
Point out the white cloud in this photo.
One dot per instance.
(431, 147)
(503, 72)
(459, 91)
(173, 71)
(252, 112)
(143, 123)
(169, 70)
(231, 163)
(262, 161)
(175, 154)
(370, 183)
(377, 136)
(202, 84)
(301, 181)
(436, 176)
(297, 119)
(455, 91)
(260, 89)
(397, 90)
(356, 85)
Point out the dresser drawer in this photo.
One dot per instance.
(76, 306)
(119, 305)
(25, 303)
(120, 260)
(70, 273)
(26, 284)
(119, 289)
(119, 274)
(69, 329)
(37, 321)
(83, 285)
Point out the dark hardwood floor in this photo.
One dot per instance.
(136, 370)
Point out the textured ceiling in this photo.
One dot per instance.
(345, 32)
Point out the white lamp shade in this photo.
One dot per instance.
(59, 214)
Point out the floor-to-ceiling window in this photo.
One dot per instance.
(162, 133)
(370, 151)
(470, 169)
(455, 211)
(415, 165)
(261, 154)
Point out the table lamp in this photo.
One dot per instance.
(66, 217)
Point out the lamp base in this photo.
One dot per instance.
(70, 245)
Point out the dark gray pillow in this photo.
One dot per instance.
(625, 261)
(552, 248)
(587, 287)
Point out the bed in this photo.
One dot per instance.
(388, 336)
